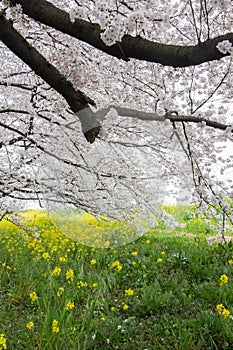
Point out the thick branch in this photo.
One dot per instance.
(50, 74)
(129, 47)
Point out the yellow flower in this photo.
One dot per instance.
(81, 284)
(2, 342)
(223, 311)
(117, 265)
(33, 296)
(55, 328)
(223, 279)
(220, 307)
(113, 308)
(60, 291)
(226, 313)
(56, 271)
(6, 266)
(29, 325)
(147, 241)
(62, 259)
(93, 262)
(129, 292)
(46, 256)
(159, 260)
(230, 262)
(69, 305)
(94, 285)
(163, 253)
(134, 253)
(70, 275)
(102, 318)
(125, 307)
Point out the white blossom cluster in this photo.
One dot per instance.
(14, 13)
(114, 25)
(221, 4)
(75, 13)
(225, 47)
(4, 4)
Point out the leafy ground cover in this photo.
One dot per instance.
(167, 290)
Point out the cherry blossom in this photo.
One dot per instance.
(119, 102)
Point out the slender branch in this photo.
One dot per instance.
(194, 21)
(21, 86)
(129, 47)
(39, 146)
(10, 110)
(192, 119)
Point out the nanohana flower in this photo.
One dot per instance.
(60, 291)
(56, 271)
(46, 256)
(63, 259)
(226, 313)
(223, 311)
(81, 284)
(117, 265)
(134, 253)
(55, 328)
(223, 279)
(129, 292)
(33, 296)
(2, 342)
(70, 275)
(69, 305)
(30, 325)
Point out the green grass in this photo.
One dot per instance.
(175, 279)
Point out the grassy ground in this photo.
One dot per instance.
(167, 290)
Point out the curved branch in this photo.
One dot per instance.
(129, 47)
(76, 99)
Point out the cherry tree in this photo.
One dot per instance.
(104, 104)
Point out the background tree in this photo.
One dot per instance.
(149, 85)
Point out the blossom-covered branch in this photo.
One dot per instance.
(77, 100)
(129, 46)
(171, 116)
